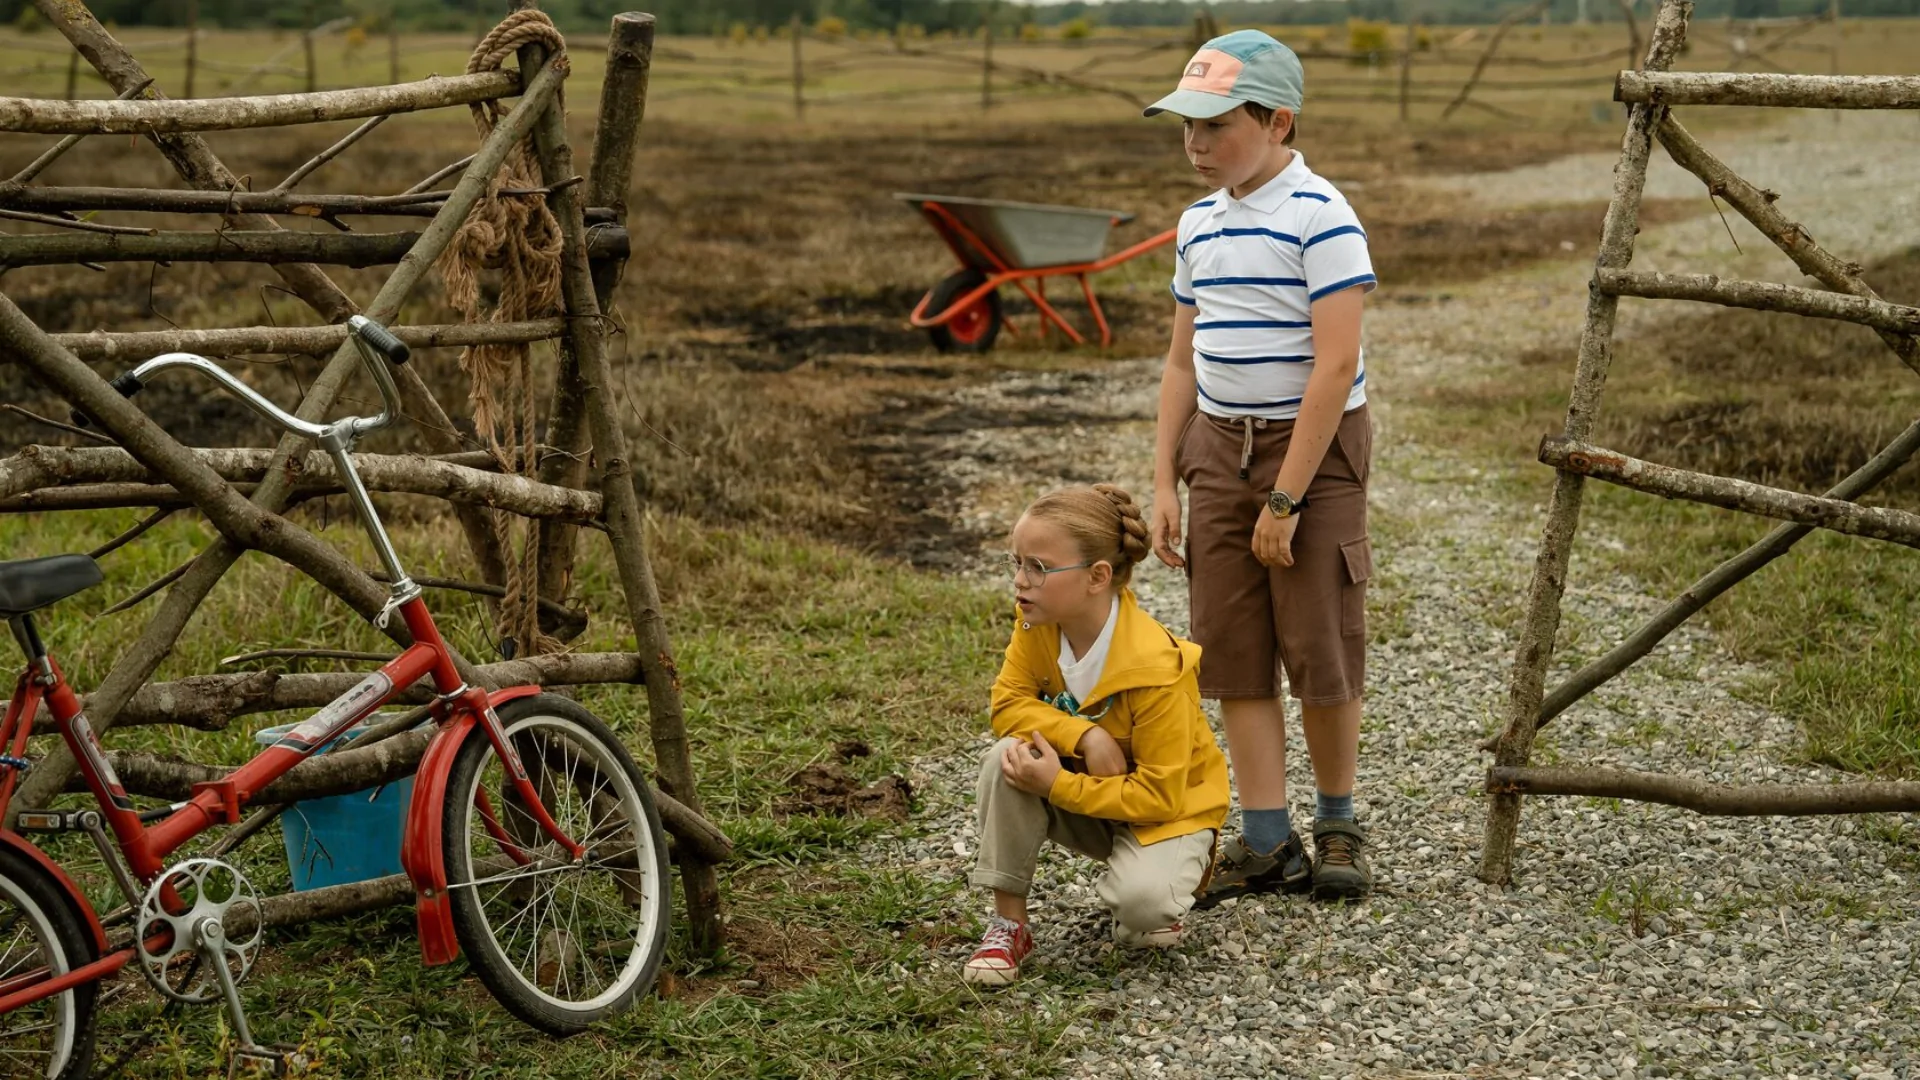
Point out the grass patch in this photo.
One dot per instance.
(785, 647)
(1775, 399)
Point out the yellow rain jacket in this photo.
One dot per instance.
(1148, 699)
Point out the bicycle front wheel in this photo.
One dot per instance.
(562, 943)
(42, 936)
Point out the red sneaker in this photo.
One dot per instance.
(997, 961)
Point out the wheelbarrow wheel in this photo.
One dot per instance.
(971, 329)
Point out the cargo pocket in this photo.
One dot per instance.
(1358, 555)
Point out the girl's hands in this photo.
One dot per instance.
(1165, 529)
(1031, 766)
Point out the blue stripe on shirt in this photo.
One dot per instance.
(1325, 290)
(1311, 195)
(1189, 301)
(1244, 361)
(1252, 324)
(1209, 282)
(1282, 403)
(1343, 230)
(1217, 233)
(1201, 203)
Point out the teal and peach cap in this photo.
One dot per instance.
(1232, 70)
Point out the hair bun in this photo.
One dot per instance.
(1133, 525)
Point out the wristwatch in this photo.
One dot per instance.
(1280, 504)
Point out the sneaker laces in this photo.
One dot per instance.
(1001, 934)
(1337, 849)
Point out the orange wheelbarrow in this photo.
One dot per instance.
(1001, 243)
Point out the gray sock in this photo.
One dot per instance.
(1332, 807)
(1264, 831)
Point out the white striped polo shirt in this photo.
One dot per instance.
(1253, 268)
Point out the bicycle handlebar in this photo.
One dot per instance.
(375, 342)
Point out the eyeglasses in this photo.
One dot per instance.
(1035, 570)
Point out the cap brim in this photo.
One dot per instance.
(1193, 104)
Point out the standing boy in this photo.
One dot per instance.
(1263, 415)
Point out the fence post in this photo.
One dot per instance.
(73, 74)
(796, 28)
(193, 44)
(313, 20)
(393, 43)
(1406, 67)
(986, 58)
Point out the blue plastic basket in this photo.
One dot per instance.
(343, 838)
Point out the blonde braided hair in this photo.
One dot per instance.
(1104, 523)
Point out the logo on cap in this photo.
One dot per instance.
(1197, 69)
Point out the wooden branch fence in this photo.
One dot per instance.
(242, 492)
(1651, 92)
(813, 59)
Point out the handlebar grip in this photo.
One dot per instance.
(126, 382)
(381, 339)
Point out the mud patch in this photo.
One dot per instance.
(827, 788)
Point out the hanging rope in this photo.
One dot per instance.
(520, 238)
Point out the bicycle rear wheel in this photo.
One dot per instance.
(561, 944)
(43, 936)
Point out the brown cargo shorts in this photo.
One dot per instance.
(1253, 622)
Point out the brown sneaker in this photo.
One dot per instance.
(1242, 871)
(1340, 862)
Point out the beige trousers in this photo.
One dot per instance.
(1147, 887)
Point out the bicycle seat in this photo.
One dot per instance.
(31, 584)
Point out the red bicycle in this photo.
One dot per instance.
(531, 841)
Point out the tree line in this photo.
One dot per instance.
(932, 16)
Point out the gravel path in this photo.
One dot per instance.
(1639, 940)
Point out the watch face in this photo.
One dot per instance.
(1280, 503)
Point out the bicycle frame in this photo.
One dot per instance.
(457, 709)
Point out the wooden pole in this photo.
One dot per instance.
(167, 116)
(393, 43)
(1721, 800)
(309, 340)
(1406, 68)
(1535, 649)
(1486, 55)
(313, 22)
(1790, 237)
(1761, 296)
(1769, 89)
(986, 63)
(625, 524)
(795, 29)
(193, 44)
(1600, 463)
(616, 136)
(330, 249)
(1721, 578)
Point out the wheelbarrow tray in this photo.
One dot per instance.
(1023, 236)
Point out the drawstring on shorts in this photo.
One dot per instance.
(1247, 425)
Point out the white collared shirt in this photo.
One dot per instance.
(1253, 268)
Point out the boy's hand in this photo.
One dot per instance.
(1166, 527)
(1031, 766)
(1273, 539)
(1102, 753)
